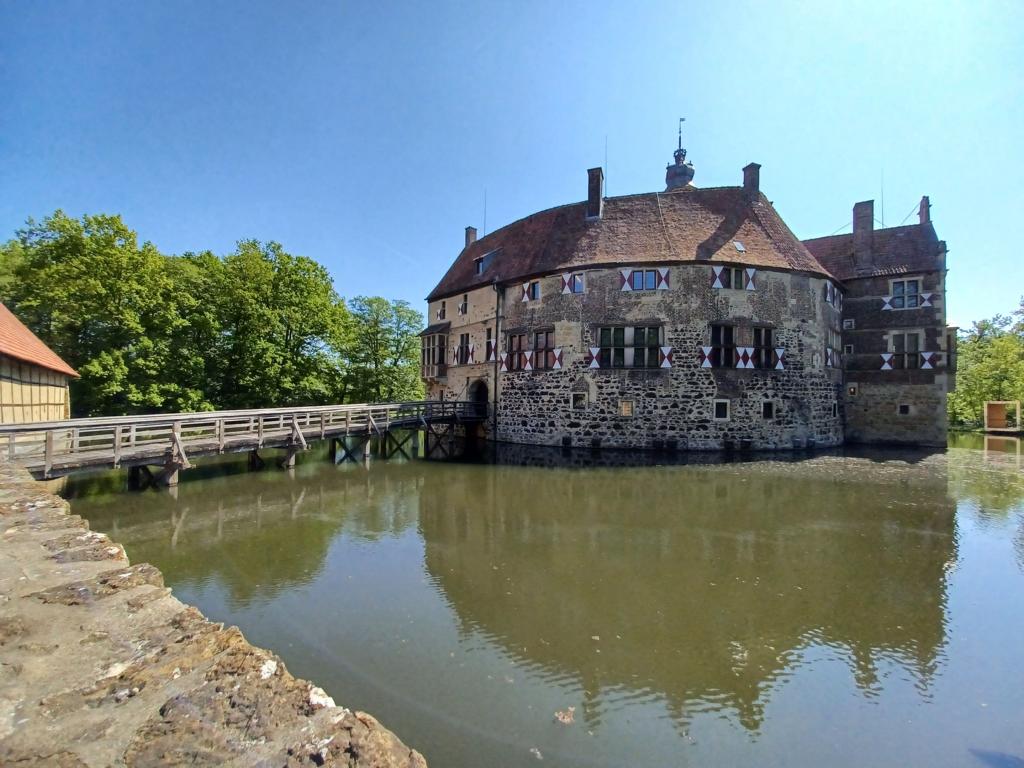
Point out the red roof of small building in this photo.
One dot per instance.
(17, 341)
(684, 225)
(895, 251)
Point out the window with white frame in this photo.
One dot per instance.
(643, 279)
(576, 282)
(906, 350)
(732, 277)
(721, 410)
(906, 294)
(533, 290)
(629, 347)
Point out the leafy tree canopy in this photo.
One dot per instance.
(150, 332)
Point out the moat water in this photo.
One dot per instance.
(864, 609)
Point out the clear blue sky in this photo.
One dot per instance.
(364, 134)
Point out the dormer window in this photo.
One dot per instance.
(482, 263)
(480, 266)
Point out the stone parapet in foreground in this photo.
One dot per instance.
(101, 666)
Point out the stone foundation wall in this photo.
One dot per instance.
(101, 666)
(872, 412)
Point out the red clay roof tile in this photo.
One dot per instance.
(896, 251)
(17, 341)
(684, 225)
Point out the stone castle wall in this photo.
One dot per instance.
(675, 406)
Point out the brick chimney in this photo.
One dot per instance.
(864, 233)
(924, 212)
(595, 192)
(470, 236)
(752, 179)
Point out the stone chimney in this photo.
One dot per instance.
(470, 236)
(924, 215)
(595, 192)
(864, 233)
(752, 179)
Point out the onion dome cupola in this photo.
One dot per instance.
(679, 174)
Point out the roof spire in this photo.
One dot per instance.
(680, 174)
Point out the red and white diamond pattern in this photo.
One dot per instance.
(926, 299)
(887, 361)
(503, 362)
(526, 291)
(780, 358)
(528, 360)
(830, 361)
(567, 282)
(716, 279)
(492, 350)
(662, 279)
(705, 357)
(626, 284)
(929, 359)
(744, 357)
(748, 278)
(592, 359)
(665, 357)
(887, 302)
(472, 354)
(556, 364)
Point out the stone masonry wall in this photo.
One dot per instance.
(101, 666)
(873, 396)
(674, 406)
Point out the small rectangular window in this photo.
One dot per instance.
(579, 401)
(723, 347)
(904, 409)
(767, 410)
(479, 265)
(464, 306)
(576, 282)
(442, 311)
(905, 294)
(848, 349)
(849, 324)
(763, 348)
(626, 408)
(835, 410)
(721, 410)
(643, 279)
(533, 292)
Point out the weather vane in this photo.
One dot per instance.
(681, 121)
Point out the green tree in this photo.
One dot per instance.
(106, 305)
(384, 361)
(990, 366)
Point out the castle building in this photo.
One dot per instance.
(694, 319)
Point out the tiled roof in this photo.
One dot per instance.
(896, 251)
(17, 341)
(684, 225)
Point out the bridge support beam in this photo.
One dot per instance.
(255, 462)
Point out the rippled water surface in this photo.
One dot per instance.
(826, 611)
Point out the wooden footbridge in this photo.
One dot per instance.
(167, 441)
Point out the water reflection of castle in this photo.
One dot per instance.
(703, 585)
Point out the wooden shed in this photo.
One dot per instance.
(33, 378)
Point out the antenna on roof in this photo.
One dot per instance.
(883, 198)
(606, 165)
(485, 210)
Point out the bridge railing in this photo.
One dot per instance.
(116, 438)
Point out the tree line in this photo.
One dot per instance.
(990, 366)
(151, 332)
